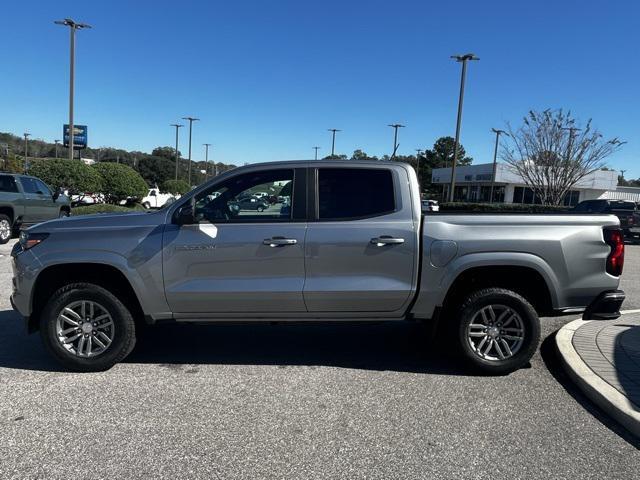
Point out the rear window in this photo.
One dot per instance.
(623, 206)
(350, 193)
(8, 184)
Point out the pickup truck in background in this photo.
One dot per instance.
(155, 199)
(625, 210)
(350, 245)
(26, 200)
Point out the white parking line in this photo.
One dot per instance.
(624, 312)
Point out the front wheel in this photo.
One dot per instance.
(86, 328)
(498, 330)
(5, 229)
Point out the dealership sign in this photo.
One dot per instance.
(79, 136)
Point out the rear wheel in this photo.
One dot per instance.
(86, 328)
(146, 205)
(6, 229)
(498, 330)
(260, 208)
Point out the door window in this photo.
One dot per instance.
(8, 184)
(29, 185)
(42, 187)
(265, 196)
(350, 193)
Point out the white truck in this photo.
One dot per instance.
(155, 199)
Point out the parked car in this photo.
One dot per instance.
(430, 206)
(352, 245)
(251, 203)
(625, 210)
(26, 200)
(155, 199)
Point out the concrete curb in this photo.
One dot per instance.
(600, 392)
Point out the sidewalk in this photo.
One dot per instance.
(603, 358)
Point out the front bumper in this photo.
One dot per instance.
(606, 306)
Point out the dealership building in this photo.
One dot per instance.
(473, 184)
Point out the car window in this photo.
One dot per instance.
(42, 187)
(8, 184)
(29, 185)
(349, 193)
(240, 198)
(623, 206)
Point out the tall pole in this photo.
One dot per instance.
(73, 26)
(316, 155)
(495, 160)
(25, 165)
(463, 59)
(57, 142)
(418, 154)
(191, 120)
(333, 140)
(177, 125)
(395, 127)
(206, 160)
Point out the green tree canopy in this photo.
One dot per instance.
(176, 187)
(67, 174)
(156, 170)
(120, 182)
(166, 152)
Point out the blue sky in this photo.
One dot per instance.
(268, 78)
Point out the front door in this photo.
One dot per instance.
(235, 260)
(361, 250)
(36, 201)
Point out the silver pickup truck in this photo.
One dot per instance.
(340, 241)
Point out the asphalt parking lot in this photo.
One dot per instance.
(292, 401)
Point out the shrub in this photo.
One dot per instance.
(63, 173)
(120, 182)
(103, 208)
(176, 187)
(500, 208)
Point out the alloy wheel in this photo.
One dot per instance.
(85, 328)
(496, 332)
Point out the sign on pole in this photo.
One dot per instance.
(79, 136)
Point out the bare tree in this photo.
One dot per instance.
(552, 153)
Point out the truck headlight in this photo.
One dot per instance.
(29, 240)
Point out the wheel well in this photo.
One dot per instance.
(65, 208)
(8, 211)
(522, 280)
(56, 276)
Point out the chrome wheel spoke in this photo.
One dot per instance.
(92, 328)
(496, 332)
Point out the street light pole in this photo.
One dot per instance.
(191, 120)
(333, 139)
(495, 160)
(316, 149)
(418, 153)
(177, 125)
(73, 26)
(395, 127)
(462, 59)
(206, 160)
(57, 142)
(25, 165)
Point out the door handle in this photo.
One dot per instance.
(279, 241)
(383, 240)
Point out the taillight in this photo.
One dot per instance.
(615, 260)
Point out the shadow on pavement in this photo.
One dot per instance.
(395, 346)
(553, 362)
(626, 357)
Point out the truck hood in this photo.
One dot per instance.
(102, 220)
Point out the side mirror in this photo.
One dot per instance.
(185, 214)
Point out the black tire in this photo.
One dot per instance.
(260, 208)
(124, 337)
(64, 213)
(146, 205)
(7, 231)
(471, 308)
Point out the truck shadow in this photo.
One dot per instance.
(394, 346)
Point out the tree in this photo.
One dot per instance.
(176, 187)
(360, 155)
(120, 182)
(441, 155)
(551, 152)
(335, 157)
(156, 170)
(68, 174)
(166, 152)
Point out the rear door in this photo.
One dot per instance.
(236, 261)
(36, 203)
(362, 247)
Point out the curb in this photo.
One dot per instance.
(597, 390)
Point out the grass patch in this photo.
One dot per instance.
(104, 208)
